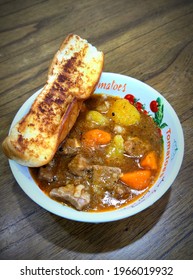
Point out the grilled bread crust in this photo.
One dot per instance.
(72, 78)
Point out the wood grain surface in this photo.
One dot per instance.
(148, 40)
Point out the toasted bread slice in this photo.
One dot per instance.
(72, 78)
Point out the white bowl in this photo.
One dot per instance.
(117, 85)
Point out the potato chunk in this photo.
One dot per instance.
(124, 113)
(96, 118)
(115, 150)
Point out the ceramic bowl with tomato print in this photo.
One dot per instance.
(147, 101)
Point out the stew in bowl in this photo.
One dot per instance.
(112, 155)
(122, 155)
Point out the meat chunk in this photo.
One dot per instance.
(75, 195)
(135, 147)
(46, 172)
(70, 147)
(78, 165)
(105, 176)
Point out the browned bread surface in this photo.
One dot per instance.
(72, 78)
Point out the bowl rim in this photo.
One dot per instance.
(96, 217)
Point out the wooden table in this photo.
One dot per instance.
(149, 40)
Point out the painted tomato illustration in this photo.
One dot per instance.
(139, 106)
(130, 98)
(154, 106)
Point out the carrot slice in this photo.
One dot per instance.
(96, 137)
(150, 161)
(138, 180)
